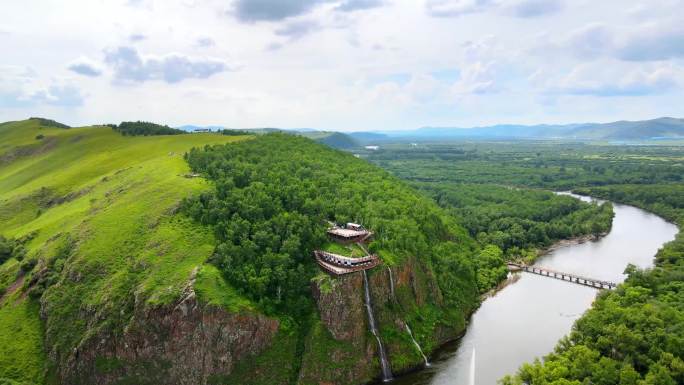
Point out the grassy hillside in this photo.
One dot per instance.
(97, 212)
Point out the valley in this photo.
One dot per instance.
(139, 254)
(342, 192)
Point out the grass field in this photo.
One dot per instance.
(101, 209)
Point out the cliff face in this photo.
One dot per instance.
(338, 349)
(190, 342)
(183, 343)
(341, 350)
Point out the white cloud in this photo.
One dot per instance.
(343, 64)
(592, 40)
(452, 8)
(20, 88)
(357, 5)
(516, 8)
(297, 29)
(271, 10)
(86, 67)
(205, 42)
(610, 79)
(136, 37)
(477, 78)
(646, 42)
(654, 42)
(534, 8)
(129, 66)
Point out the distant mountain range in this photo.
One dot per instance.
(660, 128)
(654, 129)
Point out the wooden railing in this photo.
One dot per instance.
(578, 279)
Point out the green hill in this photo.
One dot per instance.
(126, 267)
(332, 139)
(97, 205)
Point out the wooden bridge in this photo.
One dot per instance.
(591, 282)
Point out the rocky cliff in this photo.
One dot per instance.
(341, 350)
(186, 342)
(190, 342)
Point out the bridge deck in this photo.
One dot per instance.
(574, 278)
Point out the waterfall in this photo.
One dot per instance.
(408, 329)
(384, 364)
(394, 298)
(472, 368)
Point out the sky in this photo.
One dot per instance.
(346, 65)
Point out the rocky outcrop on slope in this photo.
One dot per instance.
(186, 342)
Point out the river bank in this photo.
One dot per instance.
(499, 331)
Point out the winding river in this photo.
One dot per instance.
(527, 318)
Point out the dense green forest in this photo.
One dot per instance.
(519, 221)
(558, 166)
(274, 196)
(473, 182)
(632, 335)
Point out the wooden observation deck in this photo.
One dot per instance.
(338, 264)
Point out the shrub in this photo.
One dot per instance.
(140, 128)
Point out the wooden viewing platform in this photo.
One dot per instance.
(350, 233)
(591, 282)
(338, 264)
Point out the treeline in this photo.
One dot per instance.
(519, 221)
(633, 335)
(140, 128)
(554, 166)
(49, 122)
(516, 224)
(666, 200)
(234, 132)
(269, 210)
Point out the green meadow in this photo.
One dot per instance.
(98, 210)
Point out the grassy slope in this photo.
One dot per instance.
(117, 198)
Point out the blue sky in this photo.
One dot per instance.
(342, 64)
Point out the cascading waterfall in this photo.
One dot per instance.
(472, 368)
(394, 298)
(408, 329)
(384, 363)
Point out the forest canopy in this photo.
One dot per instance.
(519, 221)
(273, 199)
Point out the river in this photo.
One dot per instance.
(526, 319)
